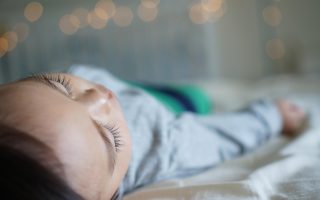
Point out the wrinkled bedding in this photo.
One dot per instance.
(282, 169)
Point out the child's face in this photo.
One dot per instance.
(74, 118)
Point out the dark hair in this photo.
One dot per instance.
(24, 177)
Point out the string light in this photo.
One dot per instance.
(212, 5)
(215, 16)
(215, 8)
(82, 15)
(3, 46)
(95, 21)
(272, 15)
(207, 11)
(123, 16)
(33, 11)
(105, 9)
(101, 13)
(22, 31)
(69, 24)
(198, 15)
(12, 40)
(74, 21)
(275, 48)
(147, 14)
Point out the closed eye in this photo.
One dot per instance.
(52, 80)
(109, 145)
(115, 134)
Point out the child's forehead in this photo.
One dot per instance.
(20, 91)
(19, 87)
(25, 102)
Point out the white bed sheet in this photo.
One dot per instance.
(282, 169)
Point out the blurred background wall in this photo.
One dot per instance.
(160, 40)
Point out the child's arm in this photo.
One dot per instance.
(189, 144)
(204, 141)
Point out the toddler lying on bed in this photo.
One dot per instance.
(63, 137)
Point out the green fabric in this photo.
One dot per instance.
(199, 99)
(170, 102)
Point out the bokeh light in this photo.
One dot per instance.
(69, 24)
(215, 16)
(33, 11)
(123, 16)
(272, 15)
(3, 46)
(207, 11)
(22, 31)
(102, 14)
(147, 14)
(82, 15)
(150, 3)
(12, 39)
(212, 5)
(95, 21)
(105, 9)
(198, 15)
(275, 48)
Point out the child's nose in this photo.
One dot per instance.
(108, 93)
(96, 99)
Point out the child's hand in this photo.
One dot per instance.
(293, 117)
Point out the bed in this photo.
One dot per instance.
(282, 169)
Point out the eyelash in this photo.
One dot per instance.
(48, 78)
(116, 135)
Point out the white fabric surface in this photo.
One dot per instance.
(282, 169)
